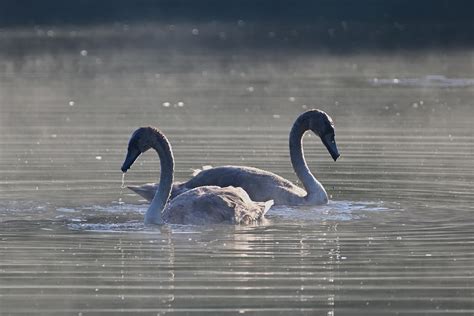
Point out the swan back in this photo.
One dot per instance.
(213, 204)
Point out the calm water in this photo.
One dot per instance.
(396, 237)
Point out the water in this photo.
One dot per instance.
(395, 238)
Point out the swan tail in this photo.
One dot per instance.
(266, 206)
(259, 214)
(146, 191)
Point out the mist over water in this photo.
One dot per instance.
(396, 236)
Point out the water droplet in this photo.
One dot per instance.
(180, 104)
(84, 53)
(276, 116)
(396, 81)
(250, 89)
(292, 99)
(195, 32)
(123, 181)
(166, 104)
(71, 103)
(98, 157)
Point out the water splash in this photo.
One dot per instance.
(334, 210)
(131, 226)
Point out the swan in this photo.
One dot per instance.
(262, 185)
(202, 205)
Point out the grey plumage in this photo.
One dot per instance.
(212, 205)
(202, 205)
(263, 185)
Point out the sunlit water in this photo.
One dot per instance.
(396, 237)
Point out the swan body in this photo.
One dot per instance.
(201, 205)
(263, 185)
(213, 205)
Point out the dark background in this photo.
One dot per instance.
(19, 12)
(338, 25)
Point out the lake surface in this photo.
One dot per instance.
(396, 237)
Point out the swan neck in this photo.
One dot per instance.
(314, 189)
(163, 148)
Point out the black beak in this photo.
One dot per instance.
(330, 143)
(132, 155)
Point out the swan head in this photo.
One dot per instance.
(140, 142)
(322, 125)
